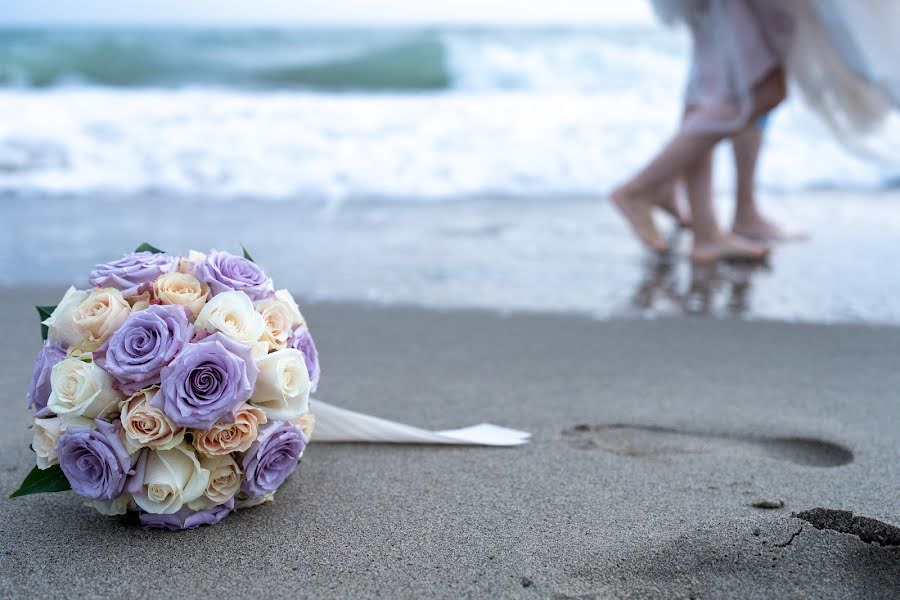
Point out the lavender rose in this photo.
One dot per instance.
(186, 518)
(39, 390)
(207, 382)
(148, 341)
(222, 272)
(302, 340)
(131, 271)
(95, 460)
(272, 457)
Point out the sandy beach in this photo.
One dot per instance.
(652, 442)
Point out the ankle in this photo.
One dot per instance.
(707, 238)
(746, 212)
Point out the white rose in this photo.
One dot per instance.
(282, 388)
(182, 289)
(232, 314)
(279, 323)
(60, 323)
(46, 434)
(118, 506)
(146, 426)
(172, 478)
(224, 481)
(81, 389)
(100, 314)
(251, 502)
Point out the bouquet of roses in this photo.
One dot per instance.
(177, 388)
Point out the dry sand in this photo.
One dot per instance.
(652, 441)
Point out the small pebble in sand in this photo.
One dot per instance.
(769, 504)
(526, 582)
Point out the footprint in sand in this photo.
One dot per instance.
(650, 441)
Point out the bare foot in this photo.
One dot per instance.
(667, 200)
(761, 229)
(638, 211)
(728, 247)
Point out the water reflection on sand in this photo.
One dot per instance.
(506, 254)
(719, 290)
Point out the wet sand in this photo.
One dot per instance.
(551, 254)
(652, 442)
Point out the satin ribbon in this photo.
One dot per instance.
(335, 424)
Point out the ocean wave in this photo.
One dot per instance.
(339, 60)
(422, 148)
(423, 115)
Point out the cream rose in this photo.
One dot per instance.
(232, 314)
(81, 389)
(146, 426)
(282, 388)
(279, 323)
(100, 314)
(297, 318)
(224, 481)
(224, 438)
(172, 478)
(182, 289)
(60, 323)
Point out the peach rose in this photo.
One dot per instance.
(224, 481)
(306, 422)
(286, 297)
(279, 323)
(183, 289)
(140, 302)
(146, 426)
(100, 314)
(224, 438)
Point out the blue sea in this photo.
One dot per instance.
(421, 115)
(439, 166)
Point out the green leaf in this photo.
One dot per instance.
(39, 481)
(44, 312)
(247, 254)
(145, 247)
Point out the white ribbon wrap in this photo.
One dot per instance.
(335, 424)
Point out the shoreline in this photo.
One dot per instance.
(563, 256)
(652, 440)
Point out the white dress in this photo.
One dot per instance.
(843, 57)
(736, 44)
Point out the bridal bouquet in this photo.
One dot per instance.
(177, 388)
